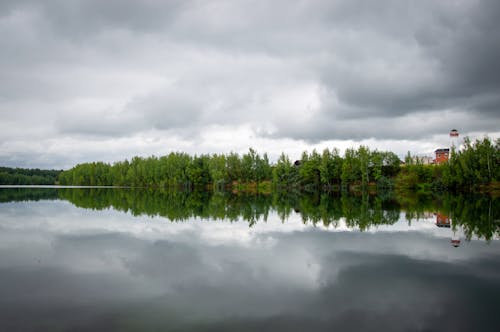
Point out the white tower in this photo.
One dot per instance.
(453, 140)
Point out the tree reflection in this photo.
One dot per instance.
(475, 215)
(27, 194)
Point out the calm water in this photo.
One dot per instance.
(103, 259)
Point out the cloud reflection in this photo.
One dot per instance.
(72, 268)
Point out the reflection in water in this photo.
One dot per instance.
(442, 220)
(64, 268)
(475, 215)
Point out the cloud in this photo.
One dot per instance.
(312, 72)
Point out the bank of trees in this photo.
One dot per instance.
(314, 171)
(329, 170)
(177, 171)
(473, 167)
(25, 176)
(476, 165)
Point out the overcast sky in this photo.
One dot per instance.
(90, 80)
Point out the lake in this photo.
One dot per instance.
(139, 260)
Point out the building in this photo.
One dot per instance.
(442, 156)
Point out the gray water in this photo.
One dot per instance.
(64, 267)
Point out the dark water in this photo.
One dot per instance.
(125, 260)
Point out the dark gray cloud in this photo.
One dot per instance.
(439, 57)
(304, 70)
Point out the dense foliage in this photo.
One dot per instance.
(474, 166)
(180, 170)
(23, 176)
(176, 170)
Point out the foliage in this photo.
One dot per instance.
(23, 176)
(478, 163)
(175, 171)
(473, 168)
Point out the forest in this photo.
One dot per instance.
(471, 168)
(248, 172)
(474, 167)
(24, 176)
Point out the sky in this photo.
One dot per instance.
(92, 80)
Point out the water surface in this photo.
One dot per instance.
(95, 259)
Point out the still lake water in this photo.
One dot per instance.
(118, 259)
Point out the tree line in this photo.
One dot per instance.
(473, 167)
(176, 170)
(313, 171)
(25, 176)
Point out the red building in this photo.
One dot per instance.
(442, 156)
